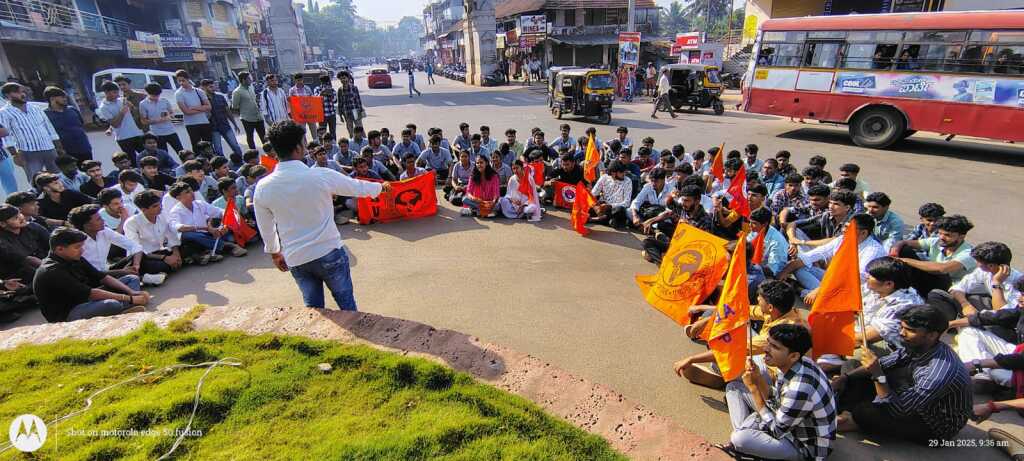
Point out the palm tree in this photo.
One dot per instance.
(674, 20)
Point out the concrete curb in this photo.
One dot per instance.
(629, 427)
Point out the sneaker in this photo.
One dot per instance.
(534, 219)
(238, 251)
(465, 211)
(154, 279)
(134, 310)
(203, 259)
(216, 258)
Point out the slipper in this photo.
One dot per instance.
(1012, 445)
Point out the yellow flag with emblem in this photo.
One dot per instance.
(689, 272)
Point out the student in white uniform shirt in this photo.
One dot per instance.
(86, 218)
(304, 239)
(112, 211)
(151, 230)
(129, 184)
(809, 276)
(990, 286)
(200, 223)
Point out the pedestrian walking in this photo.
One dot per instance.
(649, 81)
(245, 103)
(430, 72)
(196, 107)
(304, 240)
(223, 122)
(662, 100)
(68, 123)
(330, 100)
(32, 141)
(350, 106)
(412, 84)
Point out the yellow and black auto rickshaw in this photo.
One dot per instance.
(695, 86)
(583, 92)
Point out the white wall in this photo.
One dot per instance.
(968, 5)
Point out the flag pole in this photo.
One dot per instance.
(863, 330)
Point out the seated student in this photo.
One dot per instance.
(816, 204)
(418, 138)
(165, 163)
(207, 186)
(444, 141)
(770, 177)
(725, 222)
(701, 166)
(679, 174)
(122, 162)
(775, 245)
(375, 165)
(249, 157)
(681, 156)
(436, 158)
(69, 288)
(785, 167)
(990, 286)
(97, 182)
(229, 191)
(650, 202)
(112, 210)
(809, 275)
(793, 417)
(458, 179)
(406, 146)
(564, 139)
(485, 139)
(927, 215)
(756, 194)
(69, 173)
(820, 162)
(648, 142)
(821, 229)
(812, 175)
(235, 162)
(521, 199)
(613, 192)
(666, 162)
(580, 153)
(200, 223)
(358, 141)
(28, 204)
(886, 294)
(920, 393)
(97, 247)
(643, 161)
(57, 200)
(331, 146)
(204, 149)
(152, 177)
(221, 168)
(789, 195)
(947, 255)
(462, 141)
(23, 245)
(256, 173)
(410, 169)
(362, 170)
(568, 171)
(129, 184)
(847, 184)
(168, 202)
(345, 156)
(988, 341)
(750, 160)
(731, 169)
(888, 225)
(151, 231)
(185, 156)
(321, 160)
(685, 207)
(622, 138)
(515, 148)
(547, 154)
(482, 192)
(504, 171)
(851, 171)
(773, 305)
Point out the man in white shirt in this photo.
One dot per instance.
(613, 192)
(200, 223)
(150, 230)
(86, 218)
(662, 101)
(305, 239)
(809, 276)
(990, 286)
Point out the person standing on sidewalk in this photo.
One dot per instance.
(330, 99)
(304, 239)
(350, 106)
(32, 142)
(274, 101)
(196, 107)
(662, 100)
(223, 122)
(69, 124)
(412, 84)
(117, 111)
(247, 106)
(156, 112)
(430, 72)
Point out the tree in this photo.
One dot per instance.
(674, 20)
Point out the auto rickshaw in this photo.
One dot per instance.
(394, 65)
(695, 86)
(552, 73)
(583, 92)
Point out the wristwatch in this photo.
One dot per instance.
(880, 379)
(977, 365)
(996, 287)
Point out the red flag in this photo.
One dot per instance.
(718, 163)
(738, 193)
(408, 199)
(590, 161)
(581, 208)
(242, 232)
(759, 246)
(525, 187)
(835, 308)
(565, 195)
(727, 333)
(269, 162)
(307, 109)
(537, 169)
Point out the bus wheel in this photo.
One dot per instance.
(877, 128)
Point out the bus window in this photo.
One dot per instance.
(780, 54)
(821, 54)
(931, 56)
(1008, 60)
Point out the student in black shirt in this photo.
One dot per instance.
(155, 180)
(568, 172)
(57, 199)
(97, 182)
(22, 245)
(69, 288)
(28, 204)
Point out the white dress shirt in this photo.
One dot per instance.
(867, 251)
(198, 216)
(151, 236)
(980, 282)
(96, 250)
(303, 233)
(128, 199)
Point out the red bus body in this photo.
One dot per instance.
(838, 94)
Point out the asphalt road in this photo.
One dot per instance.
(544, 290)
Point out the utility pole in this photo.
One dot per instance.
(630, 25)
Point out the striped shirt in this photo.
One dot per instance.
(884, 313)
(30, 129)
(940, 392)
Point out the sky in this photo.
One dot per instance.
(393, 10)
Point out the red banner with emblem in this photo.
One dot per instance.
(307, 109)
(565, 195)
(408, 199)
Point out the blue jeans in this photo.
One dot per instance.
(228, 134)
(7, 180)
(105, 307)
(206, 240)
(332, 269)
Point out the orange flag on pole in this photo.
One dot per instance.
(233, 220)
(718, 163)
(758, 255)
(738, 193)
(689, 272)
(727, 333)
(581, 208)
(590, 161)
(838, 301)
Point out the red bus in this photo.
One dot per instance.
(888, 76)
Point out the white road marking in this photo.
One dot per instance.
(499, 98)
(450, 103)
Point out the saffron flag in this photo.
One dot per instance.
(718, 163)
(738, 193)
(526, 186)
(581, 208)
(408, 199)
(307, 109)
(727, 333)
(590, 161)
(689, 272)
(838, 301)
(269, 162)
(537, 170)
(565, 194)
(758, 255)
(233, 220)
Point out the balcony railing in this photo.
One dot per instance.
(605, 29)
(43, 15)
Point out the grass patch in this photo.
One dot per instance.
(371, 405)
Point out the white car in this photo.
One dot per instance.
(140, 78)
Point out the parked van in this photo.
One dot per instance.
(140, 78)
